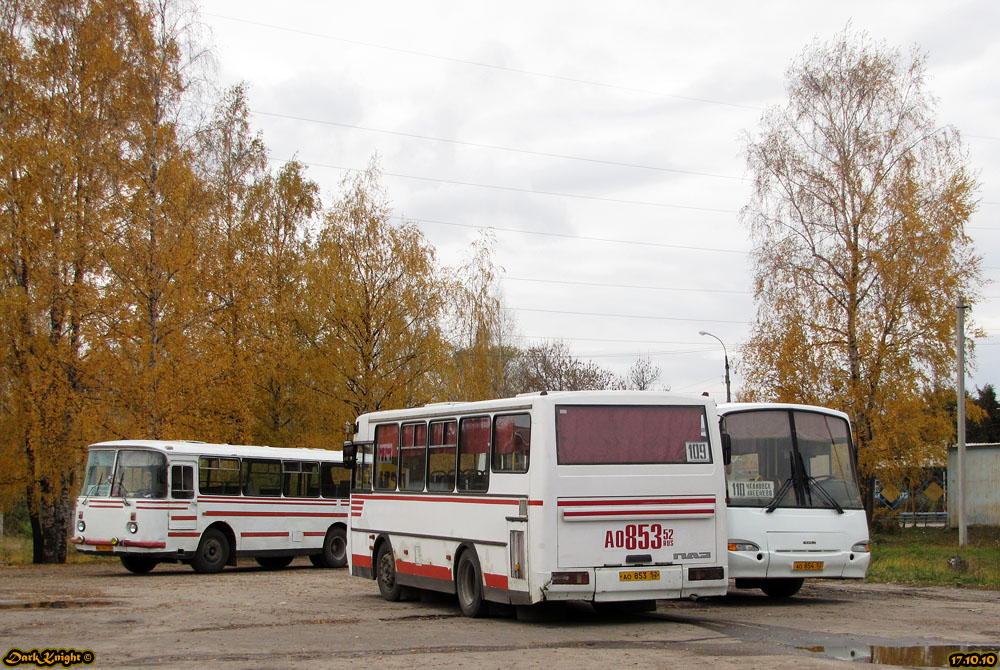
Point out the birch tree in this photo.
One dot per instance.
(860, 252)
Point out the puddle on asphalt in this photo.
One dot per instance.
(53, 604)
(918, 656)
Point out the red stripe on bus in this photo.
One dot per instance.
(455, 499)
(361, 561)
(638, 512)
(495, 581)
(183, 518)
(176, 534)
(319, 533)
(656, 501)
(277, 514)
(276, 500)
(264, 534)
(432, 571)
(144, 545)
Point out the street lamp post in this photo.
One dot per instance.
(726, 355)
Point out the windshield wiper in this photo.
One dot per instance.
(776, 500)
(122, 493)
(826, 494)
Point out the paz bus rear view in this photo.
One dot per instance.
(603, 497)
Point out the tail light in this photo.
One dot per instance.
(564, 578)
(517, 554)
(701, 574)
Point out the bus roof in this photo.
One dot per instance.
(527, 401)
(222, 450)
(730, 407)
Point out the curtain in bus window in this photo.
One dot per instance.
(825, 444)
(386, 456)
(512, 437)
(441, 454)
(474, 454)
(141, 474)
(610, 434)
(413, 457)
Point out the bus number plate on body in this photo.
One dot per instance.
(807, 565)
(639, 576)
(105, 547)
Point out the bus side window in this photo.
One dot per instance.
(413, 457)
(335, 481)
(441, 451)
(386, 456)
(511, 442)
(182, 482)
(474, 454)
(261, 477)
(300, 480)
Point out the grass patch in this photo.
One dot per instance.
(920, 556)
(18, 550)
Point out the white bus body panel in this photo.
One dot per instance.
(170, 529)
(571, 516)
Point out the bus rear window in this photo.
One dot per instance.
(618, 434)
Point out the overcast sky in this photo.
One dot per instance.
(602, 142)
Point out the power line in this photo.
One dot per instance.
(625, 316)
(491, 66)
(568, 236)
(628, 286)
(516, 189)
(597, 339)
(499, 147)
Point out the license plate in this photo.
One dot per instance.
(807, 565)
(105, 547)
(639, 576)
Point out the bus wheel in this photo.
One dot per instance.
(139, 565)
(274, 562)
(334, 550)
(385, 573)
(469, 585)
(781, 588)
(212, 553)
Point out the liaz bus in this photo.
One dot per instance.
(151, 502)
(603, 497)
(794, 504)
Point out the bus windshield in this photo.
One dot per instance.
(621, 434)
(788, 458)
(100, 464)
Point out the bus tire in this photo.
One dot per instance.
(781, 588)
(274, 562)
(469, 585)
(334, 550)
(212, 553)
(385, 573)
(139, 565)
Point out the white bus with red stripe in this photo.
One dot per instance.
(151, 501)
(605, 497)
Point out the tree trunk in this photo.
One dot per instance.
(49, 531)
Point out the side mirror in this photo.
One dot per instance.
(350, 454)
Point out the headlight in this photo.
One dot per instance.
(81, 526)
(133, 527)
(861, 547)
(742, 545)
